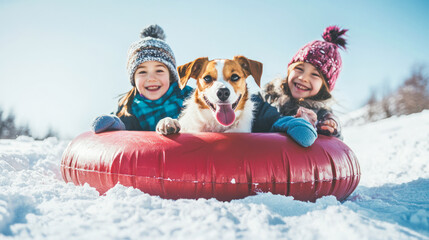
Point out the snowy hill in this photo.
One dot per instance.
(391, 202)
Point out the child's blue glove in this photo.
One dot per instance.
(297, 128)
(107, 123)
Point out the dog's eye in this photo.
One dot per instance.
(235, 77)
(208, 78)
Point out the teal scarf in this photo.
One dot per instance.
(149, 112)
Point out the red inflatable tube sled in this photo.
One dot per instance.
(224, 166)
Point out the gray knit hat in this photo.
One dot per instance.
(151, 47)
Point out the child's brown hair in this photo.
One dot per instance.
(126, 101)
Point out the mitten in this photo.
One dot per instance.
(107, 123)
(297, 128)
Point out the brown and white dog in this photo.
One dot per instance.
(221, 101)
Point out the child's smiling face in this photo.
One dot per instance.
(152, 79)
(304, 81)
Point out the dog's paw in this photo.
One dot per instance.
(167, 126)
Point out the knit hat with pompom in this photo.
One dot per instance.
(324, 55)
(151, 47)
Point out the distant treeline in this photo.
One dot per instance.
(10, 130)
(412, 96)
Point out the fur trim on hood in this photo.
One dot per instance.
(274, 94)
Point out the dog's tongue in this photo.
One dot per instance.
(224, 114)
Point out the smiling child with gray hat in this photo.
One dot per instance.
(155, 93)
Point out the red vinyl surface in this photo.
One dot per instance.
(224, 166)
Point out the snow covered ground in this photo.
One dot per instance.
(391, 201)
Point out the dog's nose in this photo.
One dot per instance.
(223, 94)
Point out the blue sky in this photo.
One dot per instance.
(62, 63)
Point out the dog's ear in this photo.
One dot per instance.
(191, 70)
(251, 67)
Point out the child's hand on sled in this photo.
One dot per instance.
(307, 114)
(327, 126)
(105, 123)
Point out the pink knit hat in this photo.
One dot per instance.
(324, 55)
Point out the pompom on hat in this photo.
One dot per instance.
(324, 55)
(151, 47)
